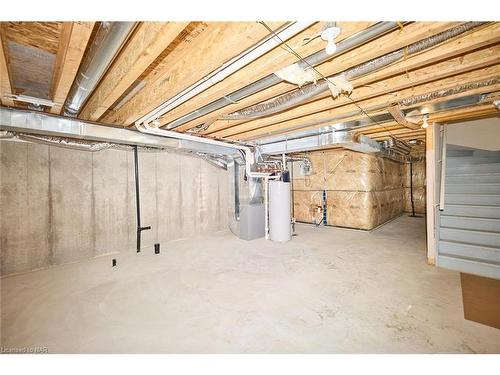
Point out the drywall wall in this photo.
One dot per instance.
(483, 134)
(60, 205)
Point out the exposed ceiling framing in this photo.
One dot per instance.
(74, 38)
(161, 59)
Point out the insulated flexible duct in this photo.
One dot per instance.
(94, 146)
(446, 92)
(107, 42)
(305, 93)
(76, 144)
(319, 57)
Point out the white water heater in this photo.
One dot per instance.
(280, 216)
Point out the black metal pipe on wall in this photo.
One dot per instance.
(411, 191)
(138, 201)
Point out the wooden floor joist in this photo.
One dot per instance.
(75, 36)
(477, 75)
(462, 59)
(272, 61)
(149, 40)
(385, 44)
(5, 85)
(161, 59)
(190, 62)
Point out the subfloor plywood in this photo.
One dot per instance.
(329, 290)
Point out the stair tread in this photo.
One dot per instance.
(472, 217)
(496, 174)
(472, 194)
(476, 164)
(478, 183)
(475, 195)
(472, 230)
(472, 205)
(468, 244)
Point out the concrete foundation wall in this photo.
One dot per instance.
(60, 205)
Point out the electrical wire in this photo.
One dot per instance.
(296, 54)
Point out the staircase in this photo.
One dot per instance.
(469, 230)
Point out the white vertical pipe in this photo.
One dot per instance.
(443, 170)
(266, 208)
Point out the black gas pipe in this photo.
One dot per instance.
(138, 201)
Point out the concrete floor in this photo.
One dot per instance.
(327, 291)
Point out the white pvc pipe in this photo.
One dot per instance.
(227, 69)
(266, 209)
(266, 203)
(249, 156)
(442, 182)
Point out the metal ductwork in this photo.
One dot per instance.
(310, 91)
(396, 145)
(5, 134)
(107, 42)
(344, 134)
(333, 123)
(349, 140)
(75, 144)
(273, 40)
(319, 57)
(38, 123)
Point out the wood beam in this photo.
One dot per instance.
(431, 170)
(366, 87)
(382, 100)
(63, 43)
(148, 41)
(74, 39)
(265, 65)
(385, 44)
(189, 62)
(5, 84)
(401, 75)
(393, 128)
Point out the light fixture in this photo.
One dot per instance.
(156, 122)
(425, 125)
(329, 34)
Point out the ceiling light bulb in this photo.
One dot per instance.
(329, 34)
(425, 124)
(331, 47)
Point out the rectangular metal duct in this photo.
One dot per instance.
(331, 139)
(18, 120)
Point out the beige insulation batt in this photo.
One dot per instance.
(419, 184)
(363, 190)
